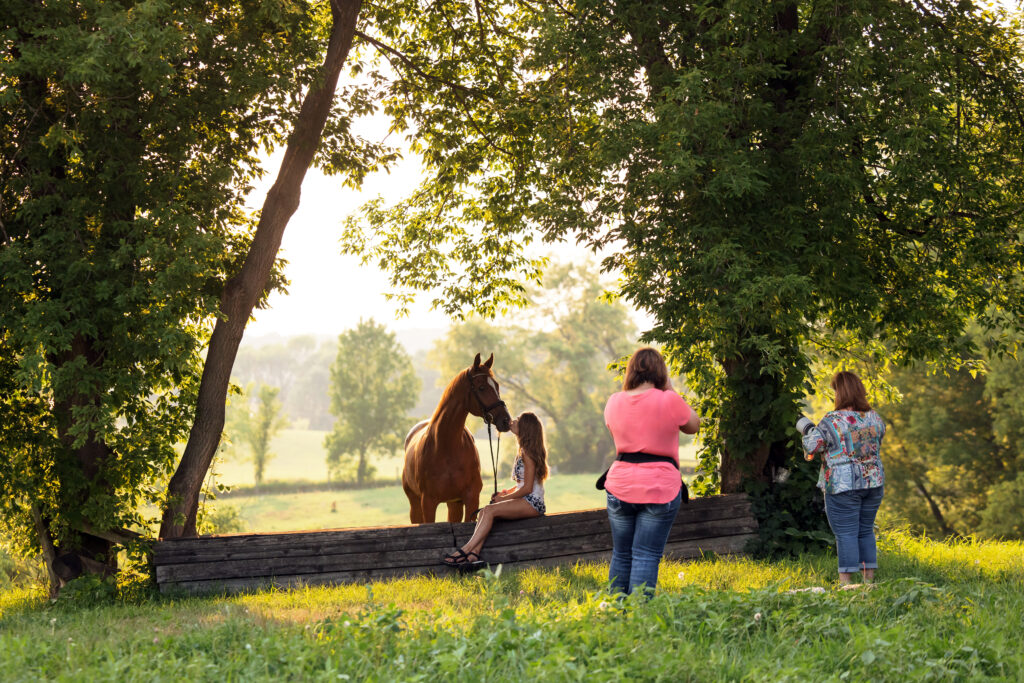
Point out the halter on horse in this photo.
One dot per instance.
(441, 461)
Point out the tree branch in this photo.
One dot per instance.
(649, 47)
(408, 61)
(119, 536)
(1010, 93)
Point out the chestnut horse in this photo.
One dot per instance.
(441, 461)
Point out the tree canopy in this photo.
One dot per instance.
(771, 179)
(128, 143)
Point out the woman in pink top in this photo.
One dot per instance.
(643, 484)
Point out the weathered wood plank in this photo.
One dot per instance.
(329, 545)
(513, 532)
(712, 528)
(501, 550)
(677, 551)
(355, 541)
(504, 545)
(723, 545)
(720, 524)
(299, 538)
(170, 549)
(310, 564)
(602, 541)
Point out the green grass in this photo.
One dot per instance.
(386, 506)
(299, 454)
(939, 612)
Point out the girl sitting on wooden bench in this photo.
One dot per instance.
(525, 500)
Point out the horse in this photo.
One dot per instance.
(441, 461)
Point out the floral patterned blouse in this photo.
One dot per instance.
(850, 443)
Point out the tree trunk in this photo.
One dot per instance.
(242, 292)
(361, 472)
(49, 552)
(934, 508)
(83, 552)
(741, 459)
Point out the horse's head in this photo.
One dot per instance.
(486, 401)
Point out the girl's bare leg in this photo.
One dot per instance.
(506, 509)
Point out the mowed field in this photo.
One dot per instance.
(300, 456)
(385, 506)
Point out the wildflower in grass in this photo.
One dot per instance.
(682, 576)
(757, 616)
(603, 605)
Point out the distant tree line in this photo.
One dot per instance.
(301, 368)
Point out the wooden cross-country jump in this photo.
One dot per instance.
(245, 562)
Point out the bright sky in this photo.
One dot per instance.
(330, 292)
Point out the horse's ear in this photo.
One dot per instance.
(488, 362)
(476, 361)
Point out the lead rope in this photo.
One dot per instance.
(494, 456)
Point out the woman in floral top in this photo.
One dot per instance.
(849, 441)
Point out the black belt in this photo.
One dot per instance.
(644, 457)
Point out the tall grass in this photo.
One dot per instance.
(939, 612)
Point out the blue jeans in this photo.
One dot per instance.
(851, 515)
(639, 534)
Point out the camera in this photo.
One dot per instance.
(803, 425)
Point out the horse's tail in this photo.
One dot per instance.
(415, 428)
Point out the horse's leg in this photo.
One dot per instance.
(470, 494)
(415, 510)
(429, 507)
(415, 505)
(455, 511)
(471, 499)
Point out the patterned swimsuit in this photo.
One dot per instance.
(535, 497)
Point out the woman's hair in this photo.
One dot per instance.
(646, 365)
(850, 392)
(531, 443)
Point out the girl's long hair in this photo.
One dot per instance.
(850, 392)
(531, 443)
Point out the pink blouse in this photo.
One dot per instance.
(647, 422)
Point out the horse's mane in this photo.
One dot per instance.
(449, 391)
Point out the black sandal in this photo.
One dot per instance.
(472, 563)
(460, 559)
(456, 559)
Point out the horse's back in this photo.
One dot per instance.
(415, 428)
